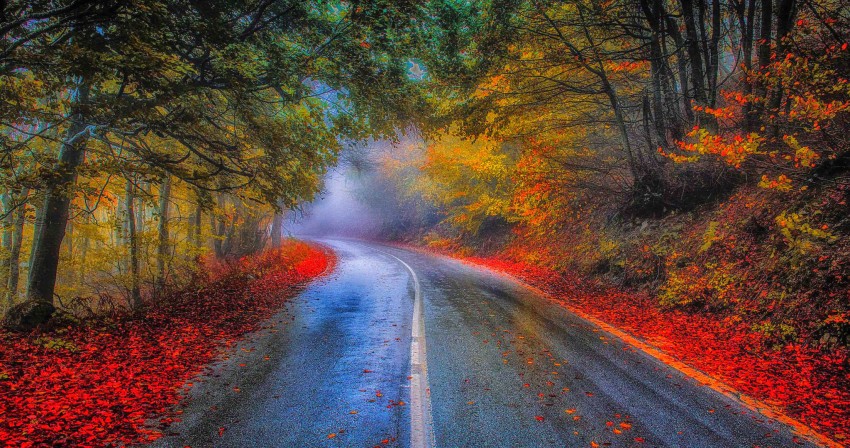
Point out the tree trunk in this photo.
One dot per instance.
(759, 87)
(197, 226)
(682, 67)
(218, 227)
(746, 18)
(50, 229)
(135, 293)
(621, 126)
(714, 53)
(785, 12)
(277, 228)
(118, 231)
(6, 238)
(84, 252)
(68, 246)
(163, 252)
(139, 208)
(694, 53)
(15, 250)
(659, 70)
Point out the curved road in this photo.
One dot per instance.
(502, 368)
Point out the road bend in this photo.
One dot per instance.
(400, 348)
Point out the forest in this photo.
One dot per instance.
(691, 149)
(688, 154)
(138, 136)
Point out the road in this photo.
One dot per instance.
(498, 366)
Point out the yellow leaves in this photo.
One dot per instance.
(732, 149)
(780, 183)
(626, 66)
(801, 235)
(492, 85)
(803, 155)
(709, 237)
(470, 178)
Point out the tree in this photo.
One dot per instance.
(252, 105)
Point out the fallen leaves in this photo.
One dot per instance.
(810, 385)
(123, 373)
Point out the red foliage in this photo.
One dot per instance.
(107, 384)
(808, 384)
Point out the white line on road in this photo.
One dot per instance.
(421, 423)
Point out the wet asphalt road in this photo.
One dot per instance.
(506, 368)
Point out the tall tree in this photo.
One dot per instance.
(251, 96)
(163, 242)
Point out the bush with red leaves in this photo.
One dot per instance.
(104, 383)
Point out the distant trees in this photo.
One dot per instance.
(624, 109)
(616, 92)
(241, 101)
(693, 149)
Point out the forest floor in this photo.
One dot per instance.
(803, 382)
(115, 381)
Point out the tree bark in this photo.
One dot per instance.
(694, 53)
(163, 249)
(785, 12)
(714, 53)
(196, 228)
(659, 70)
(15, 251)
(6, 239)
(132, 241)
(218, 227)
(746, 21)
(84, 252)
(277, 228)
(50, 228)
(682, 67)
(759, 87)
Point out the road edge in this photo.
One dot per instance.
(796, 427)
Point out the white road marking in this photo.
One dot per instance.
(421, 422)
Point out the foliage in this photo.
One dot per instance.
(242, 106)
(469, 180)
(692, 153)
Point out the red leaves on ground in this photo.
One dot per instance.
(808, 384)
(106, 383)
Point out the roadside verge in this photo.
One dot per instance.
(807, 390)
(115, 381)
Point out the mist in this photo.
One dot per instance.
(336, 211)
(356, 201)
